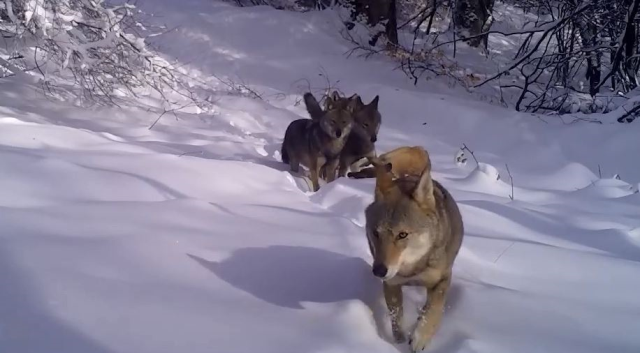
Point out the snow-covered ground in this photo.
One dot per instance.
(193, 237)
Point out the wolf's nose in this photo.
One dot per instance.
(379, 270)
(338, 133)
(374, 139)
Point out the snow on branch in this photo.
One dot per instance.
(576, 56)
(546, 30)
(87, 44)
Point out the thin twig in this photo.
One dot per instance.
(465, 148)
(155, 122)
(512, 196)
(504, 251)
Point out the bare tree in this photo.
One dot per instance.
(89, 45)
(571, 40)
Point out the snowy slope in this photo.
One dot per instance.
(193, 237)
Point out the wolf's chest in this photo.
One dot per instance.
(332, 150)
(357, 145)
(428, 277)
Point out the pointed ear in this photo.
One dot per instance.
(352, 106)
(329, 103)
(423, 193)
(335, 96)
(374, 103)
(312, 105)
(384, 177)
(359, 103)
(355, 98)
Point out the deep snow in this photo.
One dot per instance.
(193, 237)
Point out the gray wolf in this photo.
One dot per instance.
(415, 230)
(361, 142)
(317, 143)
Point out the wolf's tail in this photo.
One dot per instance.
(363, 173)
(284, 154)
(312, 105)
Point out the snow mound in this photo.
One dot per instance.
(485, 178)
(609, 188)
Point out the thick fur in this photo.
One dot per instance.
(361, 143)
(415, 231)
(364, 134)
(317, 143)
(404, 161)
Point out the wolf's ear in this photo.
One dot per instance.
(356, 98)
(374, 103)
(359, 103)
(328, 103)
(423, 193)
(313, 107)
(332, 99)
(384, 177)
(352, 106)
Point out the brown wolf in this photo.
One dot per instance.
(317, 143)
(404, 160)
(415, 230)
(364, 134)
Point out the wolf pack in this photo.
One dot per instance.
(413, 225)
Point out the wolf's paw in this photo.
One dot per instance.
(399, 336)
(419, 341)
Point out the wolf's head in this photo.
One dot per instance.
(401, 223)
(337, 119)
(367, 119)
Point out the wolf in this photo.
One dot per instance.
(405, 160)
(317, 143)
(415, 230)
(361, 142)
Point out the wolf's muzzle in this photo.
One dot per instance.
(380, 270)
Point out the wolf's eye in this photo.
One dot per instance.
(402, 235)
(376, 234)
(365, 125)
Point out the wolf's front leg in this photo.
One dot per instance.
(344, 166)
(324, 171)
(330, 169)
(393, 297)
(429, 320)
(313, 173)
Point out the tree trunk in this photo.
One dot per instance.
(377, 11)
(472, 18)
(391, 28)
(631, 48)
